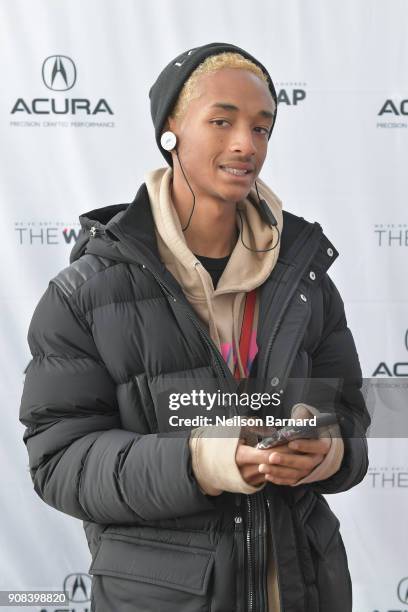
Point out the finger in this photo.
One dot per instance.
(320, 446)
(296, 460)
(283, 472)
(246, 454)
(281, 481)
(282, 448)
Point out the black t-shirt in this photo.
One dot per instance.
(215, 266)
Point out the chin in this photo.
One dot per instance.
(236, 195)
(230, 193)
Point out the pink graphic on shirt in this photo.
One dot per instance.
(230, 354)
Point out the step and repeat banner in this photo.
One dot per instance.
(76, 134)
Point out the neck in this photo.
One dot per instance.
(212, 231)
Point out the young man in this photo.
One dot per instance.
(202, 279)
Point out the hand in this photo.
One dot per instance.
(284, 465)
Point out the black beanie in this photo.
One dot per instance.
(164, 92)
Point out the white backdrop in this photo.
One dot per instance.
(337, 155)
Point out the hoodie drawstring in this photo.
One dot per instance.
(236, 331)
(211, 319)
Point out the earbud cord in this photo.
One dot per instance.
(192, 210)
(256, 250)
(257, 192)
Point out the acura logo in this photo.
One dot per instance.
(402, 590)
(59, 72)
(78, 587)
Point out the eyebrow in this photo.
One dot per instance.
(231, 107)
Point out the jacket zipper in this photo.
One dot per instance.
(240, 552)
(264, 546)
(256, 540)
(275, 556)
(251, 599)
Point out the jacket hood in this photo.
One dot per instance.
(123, 233)
(98, 219)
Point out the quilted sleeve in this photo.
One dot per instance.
(82, 462)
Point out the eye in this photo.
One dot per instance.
(263, 130)
(218, 122)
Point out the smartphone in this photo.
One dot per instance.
(289, 433)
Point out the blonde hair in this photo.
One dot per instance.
(209, 65)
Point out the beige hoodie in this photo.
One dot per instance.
(221, 310)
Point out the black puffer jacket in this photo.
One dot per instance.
(109, 333)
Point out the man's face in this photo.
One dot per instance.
(223, 135)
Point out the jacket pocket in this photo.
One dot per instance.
(132, 574)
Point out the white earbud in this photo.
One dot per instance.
(168, 141)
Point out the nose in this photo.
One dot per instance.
(242, 141)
